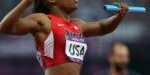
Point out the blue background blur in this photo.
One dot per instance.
(17, 54)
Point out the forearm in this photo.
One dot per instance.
(11, 18)
(105, 26)
(110, 24)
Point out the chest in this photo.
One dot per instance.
(63, 31)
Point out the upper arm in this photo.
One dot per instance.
(24, 26)
(29, 24)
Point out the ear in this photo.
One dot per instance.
(52, 1)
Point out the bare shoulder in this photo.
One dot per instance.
(36, 16)
(38, 22)
(41, 19)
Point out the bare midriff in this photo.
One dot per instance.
(64, 69)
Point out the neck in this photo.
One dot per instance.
(115, 72)
(60, 13)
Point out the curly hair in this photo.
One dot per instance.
(40, 6)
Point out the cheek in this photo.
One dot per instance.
(126, 59)
(65, 4)
(122, 59)
(70, 3)
(61, 3)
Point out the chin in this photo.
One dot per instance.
(75, 8)
(72, 10)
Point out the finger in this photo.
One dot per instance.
(124, 7)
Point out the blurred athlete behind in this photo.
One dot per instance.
(59, 39)
(118, 60)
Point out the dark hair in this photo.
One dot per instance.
(40, 6)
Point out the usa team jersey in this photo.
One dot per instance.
(65, 43)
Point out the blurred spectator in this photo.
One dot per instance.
(118, 60)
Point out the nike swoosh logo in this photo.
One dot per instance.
(60, 24)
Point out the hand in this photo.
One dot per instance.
(124, 8)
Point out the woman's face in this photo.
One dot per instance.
(67, 5)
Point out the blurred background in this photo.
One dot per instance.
(17, 54)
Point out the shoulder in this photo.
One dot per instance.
(37, 16)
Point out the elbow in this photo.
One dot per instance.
(107, 30)
(5, 30)
(0, 28)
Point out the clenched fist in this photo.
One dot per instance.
(124, 8)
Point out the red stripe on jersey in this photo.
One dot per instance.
(52, 51)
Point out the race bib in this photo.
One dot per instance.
(75, 49)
